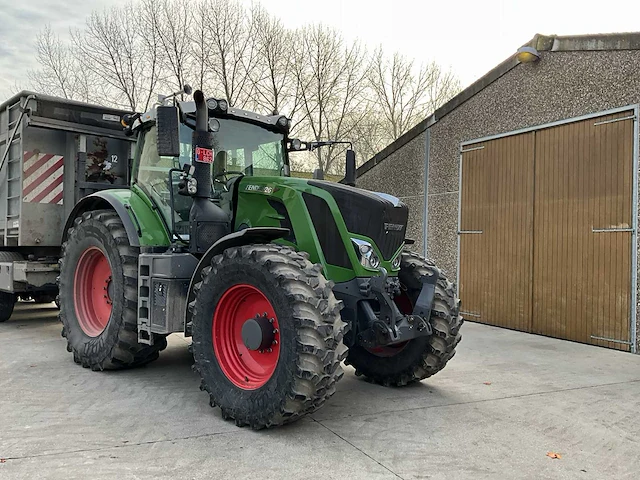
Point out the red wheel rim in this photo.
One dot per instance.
(245, 368)
(92, 291)
(405, 305)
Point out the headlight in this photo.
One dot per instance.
(192, 186)
(396, 261)
(212, 103)
(221, 105)
(366, 254)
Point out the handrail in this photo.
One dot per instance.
(15, 129)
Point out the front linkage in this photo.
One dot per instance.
(377, 319)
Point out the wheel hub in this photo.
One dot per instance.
(246, 336)
(258, 333)
(93, 291)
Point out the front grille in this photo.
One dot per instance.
(206, 234)
(327, 231)
(366, 213)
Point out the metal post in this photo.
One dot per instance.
(81, 166)
(425, 216)
(634, 237)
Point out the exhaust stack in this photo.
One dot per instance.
(207, 221)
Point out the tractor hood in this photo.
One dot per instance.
(379, 216)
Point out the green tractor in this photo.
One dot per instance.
(276, 279)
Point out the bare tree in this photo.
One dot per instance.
(200, 44)
(330, 78)
(273, 87)
(331, 88)
(406, 94)
(234, 49)
(442, 86)
(59, 73)
(113, 47)
(169, 22)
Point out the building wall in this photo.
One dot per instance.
(560, 85)
(402, 174)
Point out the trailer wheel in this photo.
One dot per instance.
(267, 335)
(98, 295)
(7, 303)
(421, 357)
(7, 299)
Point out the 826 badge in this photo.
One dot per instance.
(204, 155)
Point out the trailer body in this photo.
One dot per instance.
(53, 152)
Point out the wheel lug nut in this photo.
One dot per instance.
(269, 350)
(275, 330)
(275, 342)
(271, 320)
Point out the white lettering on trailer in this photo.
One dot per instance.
(110, 118)
(42, 180)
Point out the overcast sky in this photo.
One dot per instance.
(470, 36)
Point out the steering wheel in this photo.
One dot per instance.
(226, 173)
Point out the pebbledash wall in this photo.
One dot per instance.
(575, 76)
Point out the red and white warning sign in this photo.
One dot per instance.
(42, 178)
(204, 155)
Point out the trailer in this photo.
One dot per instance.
(53, 152)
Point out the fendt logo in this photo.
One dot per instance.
(393, 227)
(260, 189)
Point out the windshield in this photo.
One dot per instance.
(238, 147)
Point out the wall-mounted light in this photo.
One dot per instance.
(527, 55)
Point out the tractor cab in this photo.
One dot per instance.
(243, 144)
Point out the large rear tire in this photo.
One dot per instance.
(290, 304)
(98, 295)
(421, 357)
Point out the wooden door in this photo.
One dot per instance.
(546, 231)
(583, 230)
(496, 231)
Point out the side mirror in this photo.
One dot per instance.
(168, 125)
(350, 168)
(318, 174)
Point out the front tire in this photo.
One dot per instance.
(421, 357)
(294, 367)
(98, 295)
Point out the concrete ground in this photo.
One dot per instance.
(503, 402)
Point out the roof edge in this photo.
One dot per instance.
(544, 43)
(448, 107)
(24, 93)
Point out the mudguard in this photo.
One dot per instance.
(142, 224)
(246, 236)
